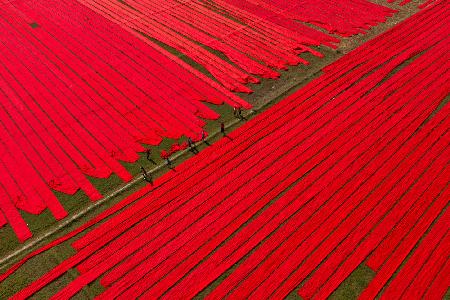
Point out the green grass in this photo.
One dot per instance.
(353, 286)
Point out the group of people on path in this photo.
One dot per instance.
(148, 176)
(237, 112)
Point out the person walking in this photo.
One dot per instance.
(147, 177)
(169, 162)
(192, 146)
(222, 128)
(203, 135)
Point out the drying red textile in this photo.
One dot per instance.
(264, 36)
(301, 194)
(76, 102)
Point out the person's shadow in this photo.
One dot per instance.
(194, 150)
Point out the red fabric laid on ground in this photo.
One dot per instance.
(262, 37)
(84, 101)
(429, 270)
(436, 238)
(303, 193)
(440, 283)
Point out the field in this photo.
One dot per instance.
(333, 184)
